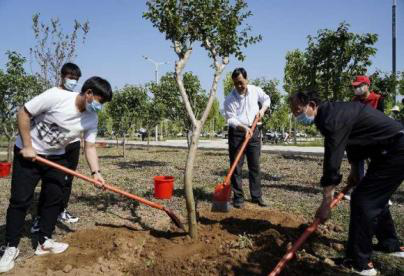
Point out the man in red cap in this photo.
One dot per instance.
(361, 87)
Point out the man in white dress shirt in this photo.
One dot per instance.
(241, 107)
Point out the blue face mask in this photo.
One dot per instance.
(70, 84)
(94, 106)
(303, 119)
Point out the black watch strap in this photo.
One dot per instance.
(92, 173)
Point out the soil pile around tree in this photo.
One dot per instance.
(249, 241)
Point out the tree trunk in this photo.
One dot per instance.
(124, 147)
(10, 149)
(189, 195)
(189, 138)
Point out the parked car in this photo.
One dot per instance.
(220, 135)
(273, 137)
(301, 134)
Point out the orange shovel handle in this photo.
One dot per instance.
(106, 186)
(309, 230)
(240, 153)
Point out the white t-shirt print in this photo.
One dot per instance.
(56, 122)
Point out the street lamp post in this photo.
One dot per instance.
(393, 19)
(156, 76)
(156, 67)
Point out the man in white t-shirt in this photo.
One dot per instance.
(70, 74)
(47, 124)
(240, 107)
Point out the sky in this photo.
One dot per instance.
(119, 37)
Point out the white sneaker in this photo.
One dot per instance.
(390, 203)
(347, 197)
(367, 272)
(9, 256)
(50, 246)
(398, 254)
(66, 217)
(35, 225)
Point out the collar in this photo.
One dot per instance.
(238, 96)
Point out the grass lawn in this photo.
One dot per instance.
(290, 186)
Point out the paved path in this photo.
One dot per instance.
(222, 144)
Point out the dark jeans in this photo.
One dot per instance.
(370, 214)
(72, 157)
(26, 175)
(253, 152)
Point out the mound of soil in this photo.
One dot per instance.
(249, 241)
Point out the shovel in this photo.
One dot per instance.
(309, 230)
(221, 196)
(170, 213)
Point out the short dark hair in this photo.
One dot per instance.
(305, 97)
(70, 69)
(100, 87)
(239, 71)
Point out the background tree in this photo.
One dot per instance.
(215, 25)
(168, 96)
(385, 84)
(152, 114)
(280, 117)
(329, 63)
(227, 84)
(215, 121)
(295, 72)
(125, 109)
(54, 47)
(104, 122)
(16, 88)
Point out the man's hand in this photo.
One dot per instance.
(324, 211)
(28, 153)
(246, 129)
(261, 113)
(100, 180)
(248, 133)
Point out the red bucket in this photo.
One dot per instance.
(5, 168)
(163, 187)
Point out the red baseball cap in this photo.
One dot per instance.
(361, 79)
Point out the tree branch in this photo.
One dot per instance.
(219, 67)
(179, 67)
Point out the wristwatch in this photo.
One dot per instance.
(93, 173)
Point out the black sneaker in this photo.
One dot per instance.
(260, 202)
(238, 204)
(67, 217)
(35, 225)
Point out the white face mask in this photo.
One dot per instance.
(359, 91)
(70, 84)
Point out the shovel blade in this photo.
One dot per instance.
(222, 192)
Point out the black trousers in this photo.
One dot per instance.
(253, 153)
(72, 157)
(26, 175)
(370, 214)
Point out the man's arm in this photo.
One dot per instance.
(265, 100)
(24, 127)
(92, 161)
(334, 144)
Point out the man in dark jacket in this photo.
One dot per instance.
(365, 133)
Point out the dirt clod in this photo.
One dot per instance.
(67, 268)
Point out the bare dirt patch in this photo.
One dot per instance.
(242, 242)
(117, 236)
